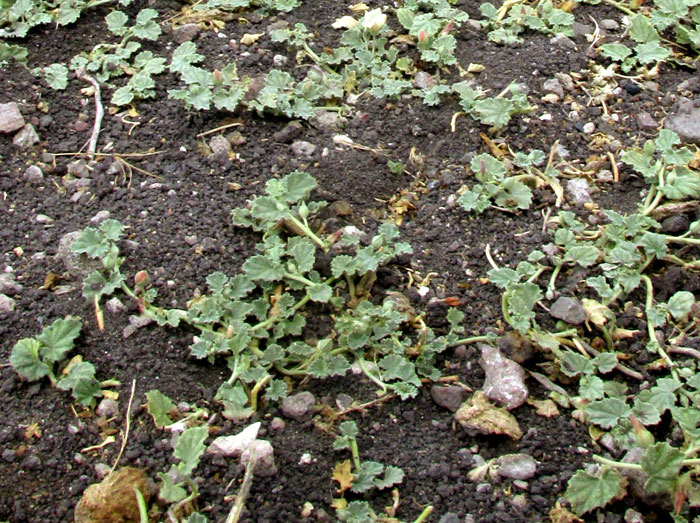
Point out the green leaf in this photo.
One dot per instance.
(259, 267)
(25, 360)
(606, 412)
(662, 463)
(320, 293)
(584, 255)
(145, 26)
(641, 29)
(183, 56)
(299, 185)
(363, 479)
(268, 209)
(58, 338)
(90, 242)
(190, 447)
(616, 51)
(355, 512)
(116, 22)
(276, 390)
(392, 476)
(169, 491)
(494, 111)
(80, 371)
(680, 304)
(303, 252)
(503, 277)
(56, 75)
(587, 492)
(123, 96)
(85, 391)
(651, 52)
(159, 407)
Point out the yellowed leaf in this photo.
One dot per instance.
(32, 431)
(475, 68)
(343, 475)
(72, 363)
(344, 22)
(359, 7)
(479, 415)
(596, 312)
(619, 333)
(339, 503)
(559, 514)
(250, 39)
(546, 408)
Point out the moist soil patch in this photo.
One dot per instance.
(176, 204)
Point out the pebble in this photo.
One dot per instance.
(568, 309)
(220, 146)
(563, 41)
(185, 33)
(26, 137)
(450, 517)
(8, 455)
(288, 133)
(277, 424)
(265, 466)
(297, 405)
(99, 217)
(448, 397)
(31, 462)
(108, 408)
(646, 122)
(8, 284)
(101, 470)
(675, 224)
(519, 501)
(279, 60)
(423, 80)
(505, 379)
(516, 466)
(553, 85)
(609, 24)
(7, 306)
(303, 148)
(579, 190)
(588, 128)
(685, 123)
(233, 446)
(11, 118)
(33, 174)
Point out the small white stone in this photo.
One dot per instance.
(589, 128)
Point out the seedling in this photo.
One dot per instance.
(44, 355)
(506, 24)
(496, 111)
(362, 477)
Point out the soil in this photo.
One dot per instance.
(177, 205)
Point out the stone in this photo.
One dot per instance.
(568, 309)
(288, 133)
(78, 265)
(516, 466)
(108, 408)
(99, 217)
(277, 424)
(566, 81)
(115, 305)
(220, 146)
(33, 174)
(185, 33)
(279, 60)
(505, 379)
(553, 85)
(609, 24)
(265, 465)
(675, 224)
(303, 148)
(450, 517)
(297, 405)
(448, 397)
(8, 284)
(579, 190)
(685, 123)
(11, 119)
(646, 122)
(582, 29)
(26, 137)
(563, 42)
(423, 80)
(326, 120)
(7, 306)
(233, 446)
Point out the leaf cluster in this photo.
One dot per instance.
(44, 355)
(495, 112)
(507, 24)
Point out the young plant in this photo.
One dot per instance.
(506, 24)
(496, 111)
(361, 477)
(647, 50)
(44, 355)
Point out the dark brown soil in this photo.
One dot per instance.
(179, 227)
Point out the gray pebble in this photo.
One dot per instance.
(297, 405)
(568, 309)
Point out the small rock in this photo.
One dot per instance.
(108, 408)
(26, 137)
(553, 85)
(297, 405)
(450, 517)
(303, 148)
(423, 80)
(220, 146)
(632, 516)
(99, 217)
(579, 190)
(279, 60)
(516, 466)
(78, 168)
(582, 29)
(277, 424)
(8, 284)
(675, 224)
(568, 309)
(288, 133)
(33, 174)
(233, 446)
(101, 470)
(607, 441)
(326, 120)
(646, 122)
(566, 81)
(448, 397)
(8, 455)
(137, 322)
(685, 123)
(519, 501)
(588, 128)
(563, 42)
(185, 33)
(7, 306)
(265, 466)
(31, 462)
(115, 305)
(609, 24)
(11, 119)
(505, 379)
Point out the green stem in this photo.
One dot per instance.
(616, 464)
(621, 7)
(300, 279)
(367, 373)
(256, 389)
(308, 232)
(312, 54)
(424, 515)
(650, 328)
(467, 341)
(552, 281)
(355, 454)
(678, 239)
(653, 204)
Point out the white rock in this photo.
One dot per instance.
(233, 446)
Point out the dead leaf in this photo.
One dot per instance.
(546, 408)
(51, 281)
(339, 503)
(344, 22)
(479, 415)
(343, 475)
(559, 514)
(452, 301)
(359, 7)
(250, 39)
(475, 68)
(596, 312)
(619, 333)
(32, 431)
(114, 498)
